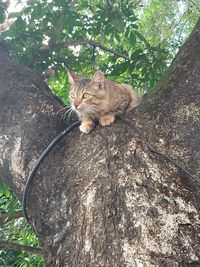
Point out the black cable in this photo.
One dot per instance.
(153, 150)
(69, 129)
(37, 165)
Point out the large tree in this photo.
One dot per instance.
(104, 199)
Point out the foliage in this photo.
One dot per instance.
(148, 35)
(17, 231)
(143, 37)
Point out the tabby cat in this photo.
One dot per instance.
(100, 99)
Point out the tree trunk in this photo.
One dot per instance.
(104, 199)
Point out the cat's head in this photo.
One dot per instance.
(87, 96)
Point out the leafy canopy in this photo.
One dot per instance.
(146, 33)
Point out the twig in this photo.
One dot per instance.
(6, 218)
(11, 245)
(59, 46)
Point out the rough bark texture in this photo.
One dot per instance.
(103, 199)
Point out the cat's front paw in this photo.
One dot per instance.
(107, 119)
(86, 127)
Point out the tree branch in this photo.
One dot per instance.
(6, 218)
(11, 245)
(59, 46)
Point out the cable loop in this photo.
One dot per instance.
(68, 130)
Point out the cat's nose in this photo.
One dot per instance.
(77, 103)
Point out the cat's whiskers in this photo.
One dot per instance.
(68, 113)
(62, 109)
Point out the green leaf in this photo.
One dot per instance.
(4, 189)
(118, 37)
(136, 54)
(2, 14)
(20, 24)
(15, 14)
(37, 12)
(132, 39)
(142, 38)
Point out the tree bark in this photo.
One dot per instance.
(103, 199)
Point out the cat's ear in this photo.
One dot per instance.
(99, 79)
(73, 78)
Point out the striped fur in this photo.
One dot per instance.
(100, 99)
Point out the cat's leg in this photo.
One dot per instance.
(107, 119)
(87, 125)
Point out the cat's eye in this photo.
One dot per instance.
(86, 96)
